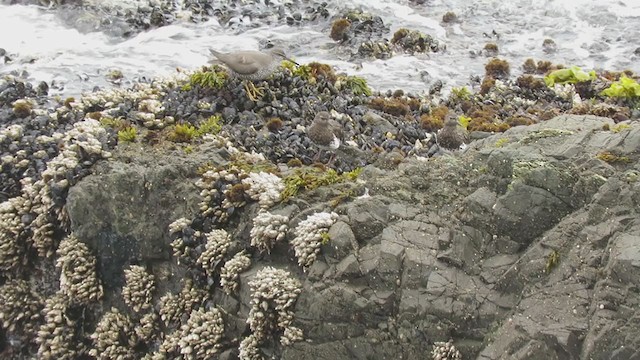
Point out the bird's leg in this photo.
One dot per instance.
(252, 91)
(332, 158)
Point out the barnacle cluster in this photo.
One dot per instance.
(12, 240)
(179, 225)
(147, 327)
(150, 114)
(222, 193)
(231, 270)
(84, 142)
(78, 278)
(445, 351)
(113, 337)
(265, 188)
(309, 235)
(183, 234)
(198, 338)
(218, 241)
(19, 307)
(56, 337)
(172, 306)
(268, 229)
(273, 294)
(138, 288)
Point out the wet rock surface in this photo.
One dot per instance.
(451, 253)
(223, 220)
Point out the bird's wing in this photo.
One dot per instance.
(242, 62)
(336, 128)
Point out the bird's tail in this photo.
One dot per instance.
(215, 53)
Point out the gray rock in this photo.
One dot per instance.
(343, 241)
(528, 251)
(368, 217)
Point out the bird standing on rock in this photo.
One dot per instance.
(326, 133)
(452, 135)
(250, 65)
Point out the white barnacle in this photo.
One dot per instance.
(138, 288)
(231, 270)
(218, 241)
(265, 187)
(309, 236)
(268, 229)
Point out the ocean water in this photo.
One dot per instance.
(593, 34)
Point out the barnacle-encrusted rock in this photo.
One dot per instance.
(85, 142)
(11, 249)
(78, 278)
(13, 132)
(218, 241)
(56, 337)
(113, 337)
(264, 187)
(445, 351)
(201, 335)
(147, 327)
(249, 348)
(267, 230)
(19, 307)
(150, 114)
(273, 293)
(291, 334)
(231, 270)
(309, 236)
(173, 306)
(139, 285)
(223, 192)
(179, 225)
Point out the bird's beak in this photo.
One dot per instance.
(288, 59)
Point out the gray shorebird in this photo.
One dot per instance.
(326, 133)
(452, 135)
(250, 65)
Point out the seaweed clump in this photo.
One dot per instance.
(313, 178)
(434, 120)
(356, 84)
(127, 134)
(571, 75)
(339, 29)
(626, 88)
(214, 78)
(497, 69)
(395, 106)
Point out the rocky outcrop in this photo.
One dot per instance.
(524, 246)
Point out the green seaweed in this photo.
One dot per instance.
(313, 178)
(623, 88)
(552, 261)
(464, 121)
(501, 142)
(611, 158)
(620, 127)
(214, 78)
(325, 238)
(460, 93)
(183, 133)
(357, 85)
(212, 125)
(571, 75)
(127, 134)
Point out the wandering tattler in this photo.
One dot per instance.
(326, 133)
(252, 65)
(452, 135)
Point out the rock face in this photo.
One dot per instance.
(520, 249)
